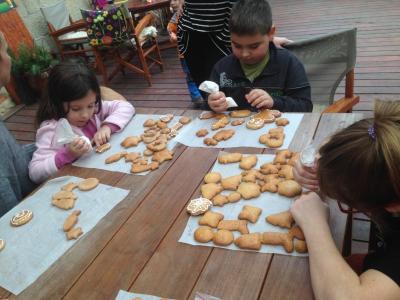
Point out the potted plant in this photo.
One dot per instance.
(30, 67)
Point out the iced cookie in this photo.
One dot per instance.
(88, 184)
(21, 218)
(242, 113)
(237, 122)
(167, 118)
(255, 123)
(198, 206)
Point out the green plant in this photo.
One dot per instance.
(31, 60)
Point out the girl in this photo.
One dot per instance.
(360, 167)
(74, 94)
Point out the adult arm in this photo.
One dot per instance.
(331, 276)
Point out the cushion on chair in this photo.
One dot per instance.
(56, 14)
(106, 27)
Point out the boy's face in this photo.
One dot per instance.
(251, 49)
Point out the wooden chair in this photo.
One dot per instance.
(123, 44)
(70, 37)
(327, 60)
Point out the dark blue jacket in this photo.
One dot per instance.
(283, 77)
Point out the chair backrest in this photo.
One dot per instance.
(327, 59)
(108, 27)
(56, 14)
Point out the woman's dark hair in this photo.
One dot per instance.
(68, 81)
(360, 165)
(249, 17)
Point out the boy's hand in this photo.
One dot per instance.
(78, 147)
(102, 135)
(217, 102)
(259, 98)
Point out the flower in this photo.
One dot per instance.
(107, 40)
(94, 42)
(110, 27)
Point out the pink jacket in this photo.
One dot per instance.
(43, 164)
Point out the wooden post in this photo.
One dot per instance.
(349, 93)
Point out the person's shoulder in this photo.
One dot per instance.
(283, 54)
(226, 61)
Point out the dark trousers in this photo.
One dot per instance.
(201, 55)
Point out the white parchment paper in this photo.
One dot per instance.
(32, 248)
(134, 128)
(243, 136)
(270, 203)
(123, 295)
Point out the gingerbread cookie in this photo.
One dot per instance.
(131, 141)
(167, 118)
(207, 115)
(283, 219)
(242, 113)
(220, 200)
(249, 190)
(278, 238)
(115, 157)
(228, 158)
(266, 115)
(289, 188)
(234, 197)
(297, 233)
(64, 199)
(21, 218)
(281, 122)
(69, 186)
(210, 142)
(203, 234)
(162, 156)
(223, 135)
(269, 168)
(209, 190)
(234, 225)
(71, 220)
(185, 120)
(157, 145)
(282, 156)
(237, 122)
(231, 182)
(103, 148)
(250, 213)
(139, 168)
(212, 177)
(221, 123)
(161, 125)
(198, 206)
(211, 219)
(88, 184)
(149, 123)
(248, 162)
(251, 241)
(148, 152)
(132, 156)
(202, 132)
(300, 246)
(223, 237)
(74, 233)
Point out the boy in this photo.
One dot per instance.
(258, 75)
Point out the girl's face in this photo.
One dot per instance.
(175, 5)
(81, 110)
(5, 65)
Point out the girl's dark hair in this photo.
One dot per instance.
(68, 81)
(360, 165)
(249, 17)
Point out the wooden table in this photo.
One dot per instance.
(135, 247)
(140, 6)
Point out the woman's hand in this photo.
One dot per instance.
(309, 211)
(280, 41)
(217, 102)
(78, 147)
(259, 98)
(102, 135)
(306, 176)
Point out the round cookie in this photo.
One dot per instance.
(88, 184)
(203, 234)
(184, 120)
(214, 177)
(223, 237)
(2, 244)
(21, 218)
(202, 132)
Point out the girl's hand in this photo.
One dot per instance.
(259, 98)
(309, 211)
(306, 176)
(217, 102)
(280, 41)
(172, 37)
(78, 147)
(102, 135)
